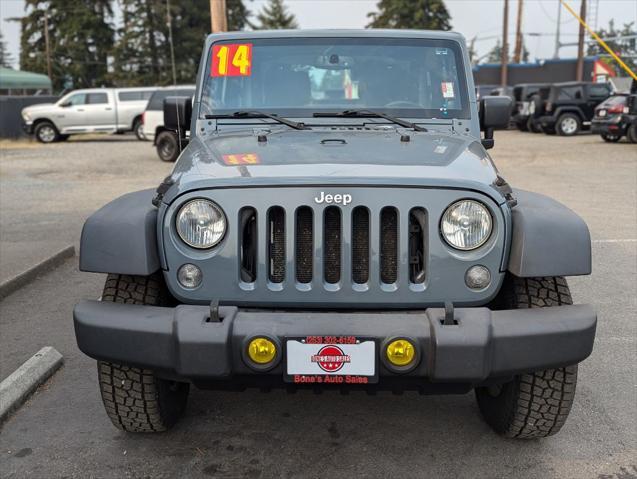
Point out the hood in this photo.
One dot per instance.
(37, 107)
(324, 156)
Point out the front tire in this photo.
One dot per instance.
(46, 132)
(167, 146)
(533, 404)
(568, 124)
(134, 398)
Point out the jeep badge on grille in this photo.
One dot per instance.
(339, 199)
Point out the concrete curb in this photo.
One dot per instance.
(13, 284)
(15, 389)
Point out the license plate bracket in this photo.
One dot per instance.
(331, 360)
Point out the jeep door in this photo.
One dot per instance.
(100, 111)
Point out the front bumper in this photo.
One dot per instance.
(182, 343)
(27, 127)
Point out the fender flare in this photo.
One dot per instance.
(575, 110)
(121, 237)
(547, 238)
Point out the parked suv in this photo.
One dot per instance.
(570, 106)
(336, 223)
(523, 95)
(609, 120)
(97, 110)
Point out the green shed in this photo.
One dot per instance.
(16, 82)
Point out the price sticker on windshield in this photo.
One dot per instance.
(231, 60)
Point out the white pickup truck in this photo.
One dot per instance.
(97, 110)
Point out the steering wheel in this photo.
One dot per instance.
(401, 104)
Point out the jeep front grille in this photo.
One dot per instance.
(332, 245)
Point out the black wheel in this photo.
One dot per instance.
(611, 138)
(631, 134)
(522, 125)
(533, 127)
(138, 129)
(548, 130)
(46, 132)
(134, 398)
(568, 124)
(167, 146)
(534, 404)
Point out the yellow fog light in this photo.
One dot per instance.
(400, 352)
(261, 350)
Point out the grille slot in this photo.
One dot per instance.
(248, 244)
(276, 244)
(360, 245)
(332, 245)
(304, 244)
(388, 245)
(417, 228)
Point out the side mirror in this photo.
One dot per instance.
(495, 114)
(66, 104)
(177, 113)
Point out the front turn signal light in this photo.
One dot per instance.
(261, 350)
(400, 352)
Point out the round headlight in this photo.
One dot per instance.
(466, 225)
(201, 224)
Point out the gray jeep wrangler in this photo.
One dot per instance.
(336, 222)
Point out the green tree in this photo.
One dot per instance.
(6, 60)
(415, 14)
(626, 48)
(140, 56)
(80, 37)
(275, 16)
(238, 15)
(142, 52)
(495, 54)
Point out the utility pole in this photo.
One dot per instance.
(504, 58)
(46, 44)
(580, 43)
(518, 34)
(556, 54)
(218, 17)
(169, 23)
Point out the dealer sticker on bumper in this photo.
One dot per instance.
(338, 360)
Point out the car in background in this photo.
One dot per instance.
(570, 106)
(167, 141)
(609, 115)
(484, 90)
(95, 110)
(523, 95)
(153, 117)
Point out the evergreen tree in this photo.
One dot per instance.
(5, 57)
(626, 48)
(238, 15)
(141, 56)
(80, 37)
(275, 16)
(495, 54)
(415, 14)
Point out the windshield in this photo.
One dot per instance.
(297, 77)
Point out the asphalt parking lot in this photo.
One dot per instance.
(46, 192)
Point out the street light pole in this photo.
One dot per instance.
(218, 18)
(504, 58)
(580, 43)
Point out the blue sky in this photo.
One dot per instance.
(479, 18)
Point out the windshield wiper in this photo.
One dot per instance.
(297, 125)
(369, 114)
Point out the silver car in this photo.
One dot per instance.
(96, 110)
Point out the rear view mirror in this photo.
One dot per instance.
(66, 104)
(495, 114)
(177, 113)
